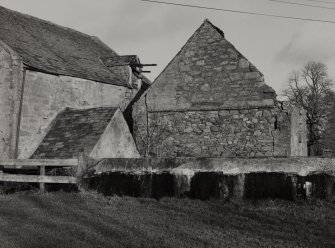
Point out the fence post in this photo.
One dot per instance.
(82, 160)
(84, 164)
(42, 173)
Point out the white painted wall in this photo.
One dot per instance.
(116, 141)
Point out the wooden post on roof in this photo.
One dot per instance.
(42, 173)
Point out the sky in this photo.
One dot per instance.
(156, 32)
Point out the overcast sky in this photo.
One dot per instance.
(156, 32)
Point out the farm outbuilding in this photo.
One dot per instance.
(207, 127)
(97, 133)
(211, 101)
(45, 68)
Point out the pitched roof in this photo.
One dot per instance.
(74, 131)
(55, 49)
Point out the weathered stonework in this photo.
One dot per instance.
(210, 101)
(209, 73)
(222, 133)
(298, 133)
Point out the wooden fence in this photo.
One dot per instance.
(37, 163)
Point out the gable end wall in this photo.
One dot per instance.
(210, 101)
(46, 95)
(209, 73)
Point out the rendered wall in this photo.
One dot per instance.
(46, 95)
(11, 78)
(218, 178)
(116, 141)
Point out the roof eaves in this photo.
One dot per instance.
(32, 68)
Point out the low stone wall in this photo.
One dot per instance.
(286, 178)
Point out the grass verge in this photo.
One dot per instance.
(90, 220)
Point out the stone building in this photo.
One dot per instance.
(210, 101)
(45, 68)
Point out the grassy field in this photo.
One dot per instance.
(88, 220)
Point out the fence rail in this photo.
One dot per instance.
(42, 179)
(19, 163)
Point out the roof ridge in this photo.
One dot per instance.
(96, 39)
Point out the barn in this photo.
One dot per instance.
(45, 69)
(211, 101)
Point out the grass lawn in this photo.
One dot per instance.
(88, 220)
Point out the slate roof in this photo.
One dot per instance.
(55, 49)
(74, 131)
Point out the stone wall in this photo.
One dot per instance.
(298, 133)
(11, 79)
(221, 133)
(210, 101)
(46, 95)
(209, 72)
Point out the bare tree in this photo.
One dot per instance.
(151, 138)
(310, 89)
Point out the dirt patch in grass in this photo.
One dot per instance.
(89, 220)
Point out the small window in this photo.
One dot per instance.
(275, 124)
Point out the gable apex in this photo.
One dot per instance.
(208, 22)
